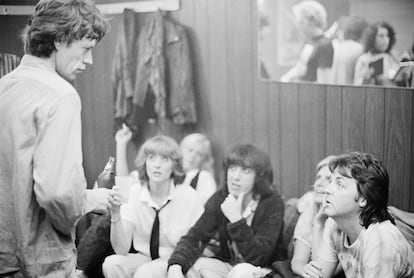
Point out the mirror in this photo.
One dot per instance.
(295, 45)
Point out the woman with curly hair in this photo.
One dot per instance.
(377, 65)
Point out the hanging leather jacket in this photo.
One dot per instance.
(123, 71)
(164, 66)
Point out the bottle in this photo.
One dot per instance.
(106, 179)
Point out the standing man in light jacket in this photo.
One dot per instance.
(42, 183)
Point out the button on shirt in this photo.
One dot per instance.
(176, 218)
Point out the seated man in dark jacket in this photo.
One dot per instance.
(247, 213)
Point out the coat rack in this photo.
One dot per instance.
(113, 8)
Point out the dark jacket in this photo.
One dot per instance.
(164, 66)
(259, 244)
(123, 71)
(95, 246)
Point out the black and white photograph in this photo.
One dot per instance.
(207, 138)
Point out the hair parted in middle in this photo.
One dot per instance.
(249, 156)
(164, 146)
(371, 34)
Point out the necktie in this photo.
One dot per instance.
(155, 234)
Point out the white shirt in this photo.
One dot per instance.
(379, 251)
(206, 185)
(176, 218)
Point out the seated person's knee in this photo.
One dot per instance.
(242, 270)
(110, 264)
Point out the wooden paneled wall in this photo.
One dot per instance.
(296, 124)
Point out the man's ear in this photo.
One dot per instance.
(362, 202)
(58, 45)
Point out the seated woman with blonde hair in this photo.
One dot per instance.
(197, 161)
(157, 213)
(309, 228)
(198, 164)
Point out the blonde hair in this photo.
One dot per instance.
(200, 139)
(312, 11)
(160, 145)
(324, 162)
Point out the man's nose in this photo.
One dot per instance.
(88, 58)
(328, 188)
(237, 173)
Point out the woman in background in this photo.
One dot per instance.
(379, 42)
(307, 235)
(197, 161)
(198, 164)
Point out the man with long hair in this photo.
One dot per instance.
(246, 213)
(42, 182)
(360, 235)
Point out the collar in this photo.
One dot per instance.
(33, 61)
(160, 25)
(250, 208)
(146, 196)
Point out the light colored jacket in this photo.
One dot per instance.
(42, 183)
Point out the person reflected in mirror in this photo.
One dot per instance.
(406, 77)
(264, 29)
(155, 216)
(42, 181)
(408, 55)
(360, 234)
(317, 53)
(247, 213)
(348, 47)
(378, 64)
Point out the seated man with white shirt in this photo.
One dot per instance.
(361, 234)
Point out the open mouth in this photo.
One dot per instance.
(235, 186)
(326, 202)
